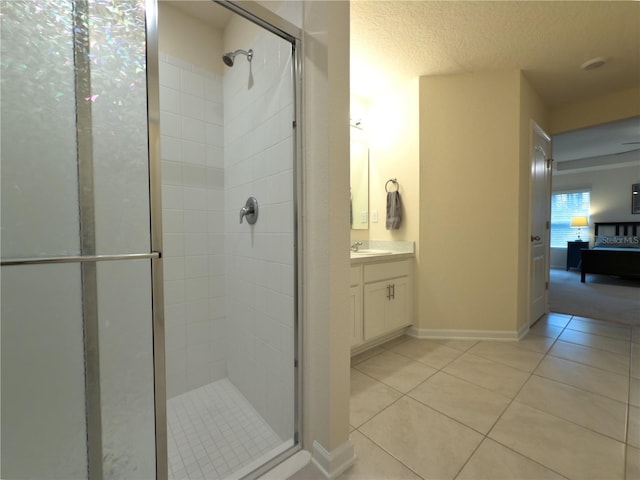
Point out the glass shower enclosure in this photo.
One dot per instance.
(124, 171)
(228, 150)
(78, 382)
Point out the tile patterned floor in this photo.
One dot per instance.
(562, 403)
(213, 431)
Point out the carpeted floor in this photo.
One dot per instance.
(601, 297)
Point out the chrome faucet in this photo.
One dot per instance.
(354, 246)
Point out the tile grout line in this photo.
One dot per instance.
(531, 373)
(556, 339)
(485, 436)
(513, 399)
(391, 454)
(402, 395)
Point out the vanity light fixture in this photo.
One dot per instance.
(594, 63)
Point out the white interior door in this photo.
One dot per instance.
(540, 214)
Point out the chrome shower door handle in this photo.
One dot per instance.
(250, 211)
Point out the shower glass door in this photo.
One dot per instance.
(228, 133)
(77, 345)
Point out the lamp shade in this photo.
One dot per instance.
(579, 222)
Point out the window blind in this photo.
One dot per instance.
(564, 206)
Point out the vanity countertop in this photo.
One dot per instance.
(367, 257)
(381, 251)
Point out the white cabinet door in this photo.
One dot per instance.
(376, 309)
(398, 315)
(386, 306)
(356, 316)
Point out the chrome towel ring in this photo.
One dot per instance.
(395, 182)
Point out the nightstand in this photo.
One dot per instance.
(574, 256)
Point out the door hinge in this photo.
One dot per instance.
(547, 224)
(295, 363)
(294, 124)
(546, 285)
(549, 162)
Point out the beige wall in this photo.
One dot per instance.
(193, 41)
(532, 109)
(392, 128)
(607, 108)
(470, 190)
(394, 140)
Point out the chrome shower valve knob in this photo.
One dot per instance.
(250, 211)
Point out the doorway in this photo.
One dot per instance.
(597, 164)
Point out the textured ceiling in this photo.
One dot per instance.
(392, 41)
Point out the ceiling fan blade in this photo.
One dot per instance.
(627, 151)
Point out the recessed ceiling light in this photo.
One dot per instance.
(593, 63)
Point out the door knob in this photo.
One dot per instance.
(537, 238)
(250, 211)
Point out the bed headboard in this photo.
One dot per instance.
(626, 229)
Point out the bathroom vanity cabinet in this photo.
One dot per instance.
(380, 300)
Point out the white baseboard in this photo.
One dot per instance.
(333, 463)
(467, 334)
(378, 341)
(524, 329)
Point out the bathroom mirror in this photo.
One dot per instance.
(359, 176)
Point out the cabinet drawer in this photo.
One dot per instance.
(381, 271)
(355, 276)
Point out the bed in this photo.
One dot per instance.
(616, 250)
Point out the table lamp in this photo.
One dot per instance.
(579, 222)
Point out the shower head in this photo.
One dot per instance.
(228, 58)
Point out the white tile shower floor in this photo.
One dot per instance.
(215, 433)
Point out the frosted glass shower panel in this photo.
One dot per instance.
(126, 369)
(121, 200)
(75, 184)
(43, 390)
(119, 116)
(39, 167)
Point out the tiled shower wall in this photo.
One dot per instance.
(229, 287)
(191, 123)
(259, 152)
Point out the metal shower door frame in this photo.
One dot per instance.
(155, 207)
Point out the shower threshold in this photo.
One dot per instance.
(215, 433)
